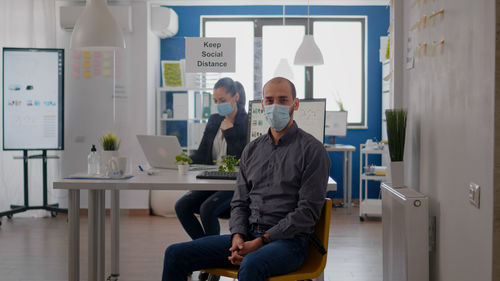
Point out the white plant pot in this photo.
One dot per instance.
(105, 157)
(397, 173)
(183, 169)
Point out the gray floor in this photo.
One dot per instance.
(36, 248)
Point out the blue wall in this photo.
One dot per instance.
(377, 25)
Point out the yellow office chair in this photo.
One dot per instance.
(314, 263)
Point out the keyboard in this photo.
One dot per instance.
(202, 167)
(217, 175)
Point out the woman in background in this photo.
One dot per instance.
(225, 134)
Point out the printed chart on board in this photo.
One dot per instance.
(310, 117)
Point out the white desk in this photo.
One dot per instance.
(346, 169)
(166, 180)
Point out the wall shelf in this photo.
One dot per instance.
(189, 128)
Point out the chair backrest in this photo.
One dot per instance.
(314, 263)
(322, 231)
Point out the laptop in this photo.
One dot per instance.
(160, 151)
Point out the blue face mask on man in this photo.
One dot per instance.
(277, 116)
(224, 109)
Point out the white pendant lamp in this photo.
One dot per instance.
(96, 29)
(308, 53)
(284, 69)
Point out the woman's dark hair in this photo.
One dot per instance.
(232, 87)
(240, 90)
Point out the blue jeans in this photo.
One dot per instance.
(276, 258)
(209, 204)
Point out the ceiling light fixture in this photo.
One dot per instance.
(284, 69)
(308, 53)
(96, 29)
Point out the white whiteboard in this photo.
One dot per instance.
(336, 123)
(310, 117)
(33, 88)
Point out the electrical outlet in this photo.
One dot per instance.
(474, 194)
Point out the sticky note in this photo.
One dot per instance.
(76, 55)
(97, 54)
(106, 63)
(106, 55)
(87, 74)
(86, 55)
(106, 72)
(86, 64)
(97, 63)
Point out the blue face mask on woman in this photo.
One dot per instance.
(277, 116)
(224, 109)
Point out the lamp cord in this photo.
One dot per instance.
(283, 15)
(308, 31)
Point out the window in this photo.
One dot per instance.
(243, 32)
(281, 42)
(341, 77)
(261, 43)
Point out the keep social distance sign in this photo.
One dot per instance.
(209, 54)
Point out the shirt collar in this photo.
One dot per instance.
(285, 138)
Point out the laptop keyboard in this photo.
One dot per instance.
(217, 175)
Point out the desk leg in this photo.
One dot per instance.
(92, 246)
(115, 233)
(349, 184)
(74, 235)
(101, 217)
(345, 189)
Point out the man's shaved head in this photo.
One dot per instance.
(279, 80)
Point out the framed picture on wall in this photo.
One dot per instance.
(172, 74)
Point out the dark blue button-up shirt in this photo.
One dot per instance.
(281, 185)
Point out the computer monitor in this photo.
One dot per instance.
(33, 99)
(310, 117)
(335, 125)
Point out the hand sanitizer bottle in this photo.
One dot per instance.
(93, 161)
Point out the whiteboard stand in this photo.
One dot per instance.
(53, 208)
(330, 140)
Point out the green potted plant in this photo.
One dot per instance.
(396, 133)
(183, 160)
(338, 101)
(340, 104)
(229, 163)
(110, 144)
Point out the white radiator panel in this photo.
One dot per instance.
(405, 220)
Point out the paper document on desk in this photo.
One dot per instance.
(85, 176)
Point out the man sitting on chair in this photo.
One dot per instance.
(278, 199)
